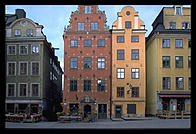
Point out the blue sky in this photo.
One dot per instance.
(55, 17)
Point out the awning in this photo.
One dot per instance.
(175, 95)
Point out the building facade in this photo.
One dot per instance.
(87, 63)
(128, 65)
(32, 69)
(169, 61)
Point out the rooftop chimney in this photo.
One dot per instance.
(20, 13)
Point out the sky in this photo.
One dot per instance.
(55, 17)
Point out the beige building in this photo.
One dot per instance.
(169, 61)
(128, 65)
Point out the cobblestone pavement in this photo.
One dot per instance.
(107, 124)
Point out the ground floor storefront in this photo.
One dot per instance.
(23, 106)
(88, 106)
(128, 109)
(174, 102)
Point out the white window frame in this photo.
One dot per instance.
(8, 49)
(14, 90)
(19, 89)
(19, 68)
(32, 90)
(32, 48)
(20, 52)
(8, 69)
(39, 67)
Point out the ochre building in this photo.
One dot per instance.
(169, 61)
(128, 65)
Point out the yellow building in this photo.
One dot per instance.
(169, 61)
(128, 65)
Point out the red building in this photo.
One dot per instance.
(87, 63)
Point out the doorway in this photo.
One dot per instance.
(87, 110)
(102, 111)
(118, 111)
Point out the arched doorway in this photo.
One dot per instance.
(87, 110)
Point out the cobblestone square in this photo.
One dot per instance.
(154, 123)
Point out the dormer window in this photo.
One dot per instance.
(17, 32)
(87, 9)
(29, 32)
(172, 25)
(178, 10)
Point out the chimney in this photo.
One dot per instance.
(20, 13)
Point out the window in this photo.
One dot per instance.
(17, 32)
(179, 83)
(131, 108)
(128, 13)
(35, 90)
(23, 49)
(87, 43)
(135, 54)
(23, 89)
(127, 24)
(23, 68)
(135, 92)
(87, 9)
(11, 68)
(172, 25)
(189, 81)
(81, 26)
(120, 39)
(135, 73)
(120, 55)
(178, 11)
(73, 85)
(73, 63)
(134, 38)
(179, 43)
(120, 73)
(87, 62)
(165, 61)
(11, 88)
(101, 63)
(29, 32)
(35, 68)
(166, 83)
(87, 85)
(120, 92)
(179, 61)
(94, 26)
(100, 43)
(35, 49)
(189, 61)
(11, 49)
(189, 43)
(185, 25)
(166, 43)
(74, 43)
(100, 85)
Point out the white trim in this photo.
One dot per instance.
(38, 90)
(136, 22)
(119, 22)
(27, 49)
(14, 90)
(26, 89)
(8, 70)
(19, 68)
(8, 50)
(31, 67)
